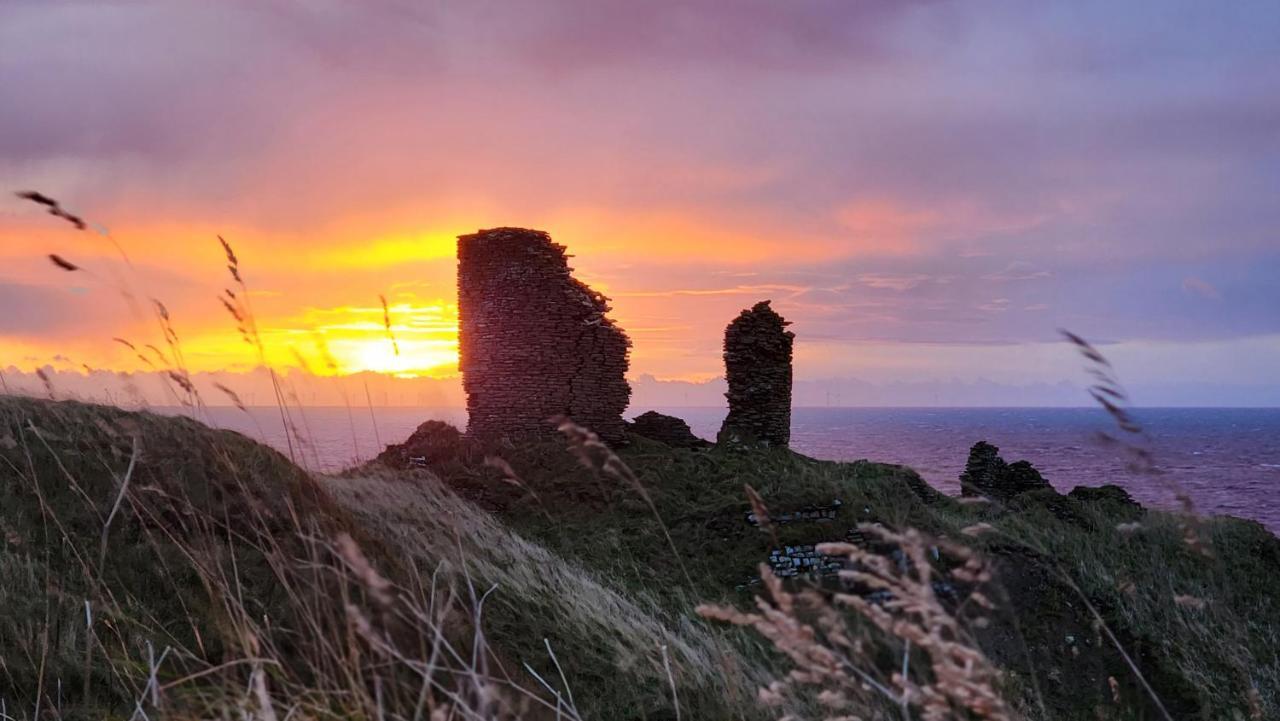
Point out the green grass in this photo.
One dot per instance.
(1056, 556)
(599, 631)
(215, 535)
(123, 534)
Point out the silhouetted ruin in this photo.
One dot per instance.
(986, 474)
(757, 365)
(670, 430)
(534, 342)
(433, 442)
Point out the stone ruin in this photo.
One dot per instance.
(433, 442)
(535, 343)
(670, 430)
(757, 365)
(986, 474)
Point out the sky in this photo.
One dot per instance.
(927, 190)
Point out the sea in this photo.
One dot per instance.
(1227, 460)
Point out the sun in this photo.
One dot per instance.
(416, 357)
(425, 338)
(381, 357)
(375, 355)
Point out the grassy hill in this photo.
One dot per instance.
(153, 563)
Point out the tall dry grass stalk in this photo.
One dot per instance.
(174, 372)
(53, 207)
(1135, 442)
(924, 663)
(386, 324)
(172, 369)
(240, 306)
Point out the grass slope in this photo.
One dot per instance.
(1201, 628)
(613, 642)
(584, 582)
(117, 532)
(211, 531)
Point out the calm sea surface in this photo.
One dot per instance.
(1228, 460)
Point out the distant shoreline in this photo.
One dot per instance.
(641, 409)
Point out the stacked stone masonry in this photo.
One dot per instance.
(803, 560)
(534, 342)
(757, 360)
(987, 474)
(790, 561)
(808, 514)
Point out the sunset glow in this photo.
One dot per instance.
(928, 192)
(426, 341)
(338, 341)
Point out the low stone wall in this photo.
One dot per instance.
(808, 514)
(803, 560)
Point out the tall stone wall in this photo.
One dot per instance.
(533, 341)
(757, 366)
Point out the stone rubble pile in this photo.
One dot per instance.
(670, 430)
(431, 443)
(757, 360)
(534, 342)
(986, 474)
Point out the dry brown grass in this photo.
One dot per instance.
(942, 674)
(386, 324)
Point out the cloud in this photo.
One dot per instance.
(1200, 287)
(892, 281)
(32, 311)
(1017, 270)
(960, 299)
(759, 35)
(886, 169)
(870, 127)
(737, 290)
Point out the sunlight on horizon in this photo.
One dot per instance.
(423, 339)
(335, 341)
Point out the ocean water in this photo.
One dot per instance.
(1226, 460)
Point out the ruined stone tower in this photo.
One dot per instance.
(757, 366)
(533, 341)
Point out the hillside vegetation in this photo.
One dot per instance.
(153, 565)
